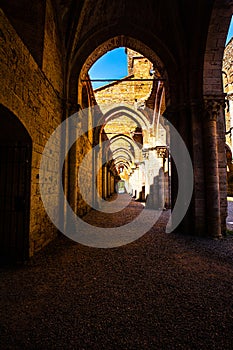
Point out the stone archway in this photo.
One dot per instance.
(123, 41)
(143, 117)
(190, 108)
(214, 117)
(106, 39)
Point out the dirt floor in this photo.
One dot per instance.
(163, 291)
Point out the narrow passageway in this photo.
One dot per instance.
(120, 217)
(163, 291)
(102, 97)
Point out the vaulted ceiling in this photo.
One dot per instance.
(176, 30)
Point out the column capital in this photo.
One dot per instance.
(213, 105)
(162, 151)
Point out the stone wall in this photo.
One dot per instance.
(128, 90)
(36, 101)
(84, 135)
(135, 124)
(228, 89)
(227, 69)
(130, 59)
(121, 125)
(28, 19)
(52, 52)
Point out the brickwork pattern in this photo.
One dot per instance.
(26, 91)
(227, 68)
(128, 91)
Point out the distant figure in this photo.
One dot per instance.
(121, 187)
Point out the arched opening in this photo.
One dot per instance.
(133, 127)
(181, 103)
(215, 124)
(15, 175)
(128, 125)
(156, 97)
(179, 284)
(227, 78)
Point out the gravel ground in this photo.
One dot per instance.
(163, 291)
(230, 213)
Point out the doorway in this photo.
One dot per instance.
(15, 178)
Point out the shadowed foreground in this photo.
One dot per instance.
(163, 291)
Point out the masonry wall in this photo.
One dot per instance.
(121, 125)
(227, 69)
(36, 100)
(52, 51)
(128, 91)
(28, 19)
(78, 191)
(81, 188)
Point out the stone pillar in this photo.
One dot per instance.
(109, 183)
(145, 157)
(199, 196)
(132, 183)
(172, 117)
(112, 184)
(141, 170)
(136, 174)
(105, 182)
(180, 117)
(161, 153)
(212, 107)
(221, 130)
(97, 181)
(71, 162)
(100, 175)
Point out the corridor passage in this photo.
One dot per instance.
(163, 291)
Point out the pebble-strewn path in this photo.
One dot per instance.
(163, 291)
(230, 214)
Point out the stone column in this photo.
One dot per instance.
(172, 117)
(141, 171)
(94, 179)
(104, 170)
(161, 153)
(112, 184)
(109, 183)
(100, 175)
(145, 157)
(199, 197)
(136, 172)
(70, 173)
(212, 107)
(132, 183)
(221, 130)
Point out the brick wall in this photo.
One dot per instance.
(128, 91)
(228, 87)
(36, 101)
(227, 69)
(52, 53)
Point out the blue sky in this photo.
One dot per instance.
(113, 65)
(230, 33)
